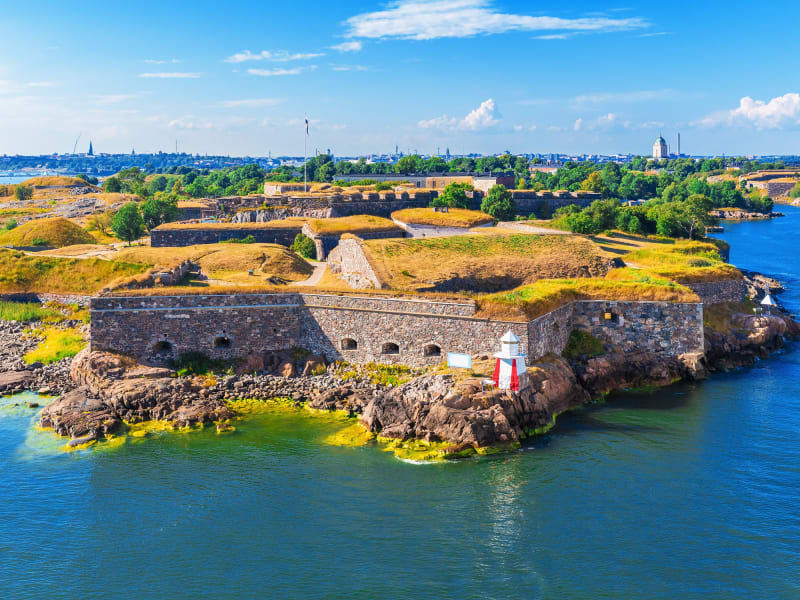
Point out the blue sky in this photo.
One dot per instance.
(471, 75)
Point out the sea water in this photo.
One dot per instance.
(689, 492)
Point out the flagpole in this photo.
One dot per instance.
(305, 158)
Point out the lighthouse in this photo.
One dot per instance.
(510, 372)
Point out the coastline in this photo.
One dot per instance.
(432, 415)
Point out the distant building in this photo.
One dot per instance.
(660, 149)
(91, 150)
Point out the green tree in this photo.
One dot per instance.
(499, 203)
(157, 211)
(112, 185)
(304, 246)
(127, 224)
(409, 164)
(454, 195)
(23, 192)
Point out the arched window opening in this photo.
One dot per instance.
(162, 347)
(222, 342)
(432, 350)
(349, 344)
(390, 348)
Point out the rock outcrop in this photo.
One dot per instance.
(747, 338)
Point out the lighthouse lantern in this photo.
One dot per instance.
(510, 372)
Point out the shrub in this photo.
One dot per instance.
(499, 204)
(245, 240)
(304, 246)
(10, 224)
(23, 192)
(196, 363)
(581, 344)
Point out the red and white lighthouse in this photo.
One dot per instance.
(510, 372)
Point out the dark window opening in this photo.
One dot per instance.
(222, 342)
(349, 344)
(162, 346)
(390, 348)
(432, 350)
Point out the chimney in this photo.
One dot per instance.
(679, 144)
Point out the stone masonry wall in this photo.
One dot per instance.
(190, 236)
(714, 292)
(549, 333)
(381, 329)
(655, 327)
(326, 243)
(358, 329)
(349, 262)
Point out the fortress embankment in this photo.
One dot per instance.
(360, 329)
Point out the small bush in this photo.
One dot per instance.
(196, 363)
(581, 344)
(245, 240)
(304, 246)
(10, 224)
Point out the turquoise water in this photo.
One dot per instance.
(8, 179)
(690, 492)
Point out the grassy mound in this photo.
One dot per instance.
(355, 224)
(58, 181)
(684, 262)
(532, 301)
(56, 232)
(229, 262)
(454, 217)
(25, 273)
(483, 262)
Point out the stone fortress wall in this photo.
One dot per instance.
(190, 236)
(363, 329)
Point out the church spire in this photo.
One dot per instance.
(91, 150)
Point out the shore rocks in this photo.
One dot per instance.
(747, 339)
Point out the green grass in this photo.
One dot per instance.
(21, 272)
(57, 232)
(581, 344)
(56, 345)
(27, 311)
(684, 262)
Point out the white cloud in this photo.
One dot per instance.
(251, 102)
(8, 87)
(271, 55)
(443, 122)
(170, 75)
(190, 122)
(554, 36)
(518, 128)
(578, 124)
(278, 72)
(349, 68)
(426, 20)
(155, 61)
(483, 117)
(354, 46)
(654, 34)
(774, 114)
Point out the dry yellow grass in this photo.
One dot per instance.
(58, 181)
(454, 217)
(226, 262)
(532, 301)
(355, 224)
(56, 232)
(483, 262)
(33, 273)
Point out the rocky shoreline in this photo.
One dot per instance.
(100, 393)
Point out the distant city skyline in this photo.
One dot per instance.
(473, 75)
